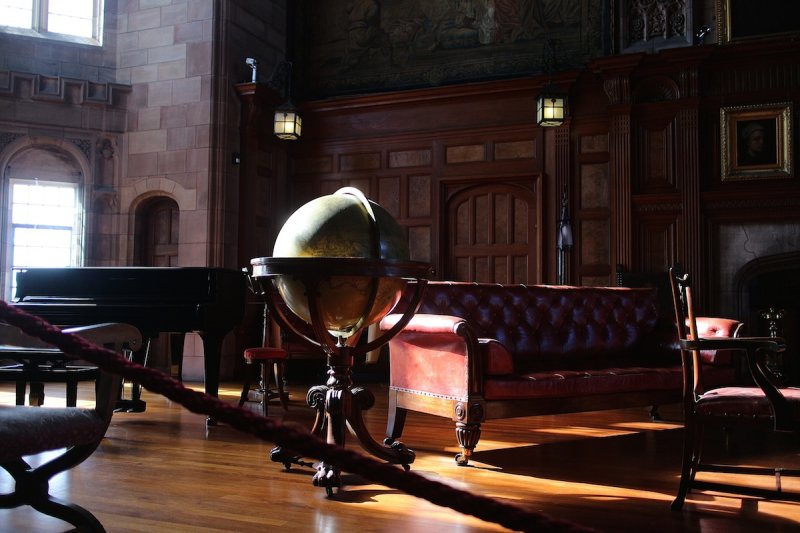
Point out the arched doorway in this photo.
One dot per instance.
(157, 231)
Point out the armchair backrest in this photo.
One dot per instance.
(686, 323)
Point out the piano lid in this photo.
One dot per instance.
(129, 284)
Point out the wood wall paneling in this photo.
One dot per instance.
(639, 157)
(592, 212)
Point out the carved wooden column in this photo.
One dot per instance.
(690, 230)
(617, 85)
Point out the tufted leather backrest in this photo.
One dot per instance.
(556, 323)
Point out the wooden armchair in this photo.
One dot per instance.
(765, 406)
(30, 430)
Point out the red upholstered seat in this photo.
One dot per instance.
(272, 361)
(748, 402)
(265, 353)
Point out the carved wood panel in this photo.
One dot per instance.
(655, 241)
(649, 25)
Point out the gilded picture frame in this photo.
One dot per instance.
(756, 141)
(739, 20)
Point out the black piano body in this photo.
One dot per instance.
(206, 300)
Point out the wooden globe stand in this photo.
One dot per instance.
(339, 405)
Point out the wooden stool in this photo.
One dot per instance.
(272, 362)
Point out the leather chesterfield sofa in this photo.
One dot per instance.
(478, 351)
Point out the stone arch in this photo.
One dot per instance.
(44, 158)
(156, 232)
(134, 197)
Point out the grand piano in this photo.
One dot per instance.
(208, 301)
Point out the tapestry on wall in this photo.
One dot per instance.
(363, 46)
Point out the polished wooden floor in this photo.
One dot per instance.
(162, 470)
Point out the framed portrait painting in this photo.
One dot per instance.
(756, 141)
(753, 19)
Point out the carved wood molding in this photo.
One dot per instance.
(616, 72)
(657, 207)
(655, 89)
(748, 202)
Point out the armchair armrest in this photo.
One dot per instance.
(772, 344)
(114, 334)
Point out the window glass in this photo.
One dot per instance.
(45, 226)
(69, 20)
(71, 17)
(16, 13)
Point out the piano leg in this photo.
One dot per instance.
(176, 341)
(212, 350)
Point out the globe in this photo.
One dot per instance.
(343, 224)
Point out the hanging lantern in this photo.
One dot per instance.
(288, 124)
(551, 108)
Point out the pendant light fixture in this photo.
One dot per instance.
(551, 105)
(287, 124)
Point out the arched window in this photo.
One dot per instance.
(43, 223)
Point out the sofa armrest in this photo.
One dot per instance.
(435, 354)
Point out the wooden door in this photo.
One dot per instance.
(492, 235)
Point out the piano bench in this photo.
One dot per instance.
(272, 362)
(47, 371)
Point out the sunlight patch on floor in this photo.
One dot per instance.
(648, 426)
(583, 431)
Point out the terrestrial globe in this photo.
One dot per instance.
(344, 224)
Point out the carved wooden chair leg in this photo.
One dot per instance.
(655, 416)
(31, 488)
(36, 393)
(690, 442)
(266, 375)
(468, 435)
(22, 386)
(72, 391)
(245, 387)
(279, 382)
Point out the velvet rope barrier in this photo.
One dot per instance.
(488, 509)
